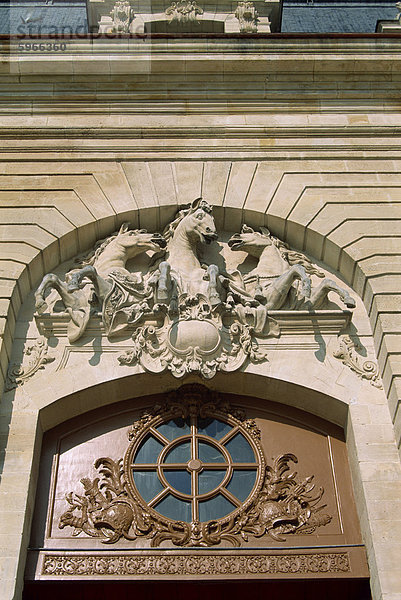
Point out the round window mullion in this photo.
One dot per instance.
(233, 499)
(159, 436)
(199, 465)
(159, 497)
(194, 472)
(230, 434)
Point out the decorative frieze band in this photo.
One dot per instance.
(126, 564)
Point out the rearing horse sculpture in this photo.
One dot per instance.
(181, 271)
(104, 268)
(271, 281)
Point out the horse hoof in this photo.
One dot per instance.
(306, 289)
(349, 302)
(162, 293)
(214, 300)
(40, 306)
(73, 287)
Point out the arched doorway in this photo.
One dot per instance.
(195, 492)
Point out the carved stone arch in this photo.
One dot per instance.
(48, 394)
(81, 237)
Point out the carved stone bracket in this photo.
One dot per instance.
(39, 357)
(365, 369)
(111, 508)
(122, 16)
(247, 16)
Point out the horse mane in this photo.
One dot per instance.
(292, 257)
(189, 209)
(297, 258)
(100, 246)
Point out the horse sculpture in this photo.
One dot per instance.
(181, 271)
(271, 282)
(103, 275)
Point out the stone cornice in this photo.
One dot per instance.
(312, 57)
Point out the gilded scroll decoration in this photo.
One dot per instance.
(186, 460)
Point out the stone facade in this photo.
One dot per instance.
(300, 136)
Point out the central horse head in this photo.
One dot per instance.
(200, 227)
(196, 222)
(251, 241)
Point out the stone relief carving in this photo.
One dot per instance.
(122, 16)
(68, 564)
(365, 369)
(272, 281)
(247, 16)
(104, 280)
(183, 12)
(183, 315)
(279, 503)
(39, 357)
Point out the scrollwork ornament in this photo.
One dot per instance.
(365, 369)
(111, 508)
(258, 564)
(183, 11)
(39, 357)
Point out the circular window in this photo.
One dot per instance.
(195, 469)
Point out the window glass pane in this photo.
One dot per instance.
(148, 484)
(173, 508)
(179, 480)
(213, 428)
(240, 450)
(148, 451)
(209, 454)
(209, 480)
(179, 454)
(241, 483)
(174, 429)
(215, 508)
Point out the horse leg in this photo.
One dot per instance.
(319, 295)
(48, 281)
(276, 293)
(164, 283)
(301, 274)
(76, 277)
(212, 275)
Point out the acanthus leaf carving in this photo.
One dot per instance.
(76, 564)
(247, 16)
(39, 357)
(183, 12)
(364, 368)
(122, 16)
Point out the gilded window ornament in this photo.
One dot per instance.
(194, 474)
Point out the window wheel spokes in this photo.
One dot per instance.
(206, 468)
